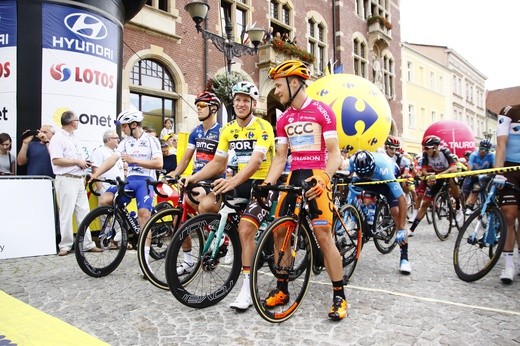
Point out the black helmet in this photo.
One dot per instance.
(364, 163)
(431, 140)
(485, 144)
(393, 142)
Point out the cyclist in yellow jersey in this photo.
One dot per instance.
(252, 140)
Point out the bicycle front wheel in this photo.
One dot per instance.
(442, 215)
(349, 241)
(479, 244)
(156, 236)
(104, 228)
(384, 229)
(277, 258)
(198, 279)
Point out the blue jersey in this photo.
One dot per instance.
(476, 162)
(204, 144)
(385, 170)
(509, 125)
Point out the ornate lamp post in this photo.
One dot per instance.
(199, 10)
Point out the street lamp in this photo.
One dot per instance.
(199, 10)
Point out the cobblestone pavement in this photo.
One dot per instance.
(431, 306)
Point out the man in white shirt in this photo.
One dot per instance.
(100, 154)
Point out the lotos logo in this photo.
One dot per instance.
(86, 25)
(60, 73)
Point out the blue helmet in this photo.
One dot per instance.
(364, 163)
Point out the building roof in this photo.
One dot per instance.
(497, 99)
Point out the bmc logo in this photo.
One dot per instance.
(86, 25)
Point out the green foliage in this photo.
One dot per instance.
(221, 85)
(292, 50)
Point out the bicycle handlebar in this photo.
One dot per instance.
(120, 183)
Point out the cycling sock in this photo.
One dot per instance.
(282, 283)
(245, 283)
(246, 270)
(508, 258)
(338, 289)
(187, 257)
(457, 203)
(414, 224)
(469, 206)
(404, 252)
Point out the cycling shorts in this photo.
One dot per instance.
(383, 189)
(320, 208)
(508, 196)
(254, 212)
(141, 190)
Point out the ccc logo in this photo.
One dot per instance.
(86, 25)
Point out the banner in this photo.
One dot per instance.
(8, 69)
(80, 58)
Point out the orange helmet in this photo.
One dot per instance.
(289, 68)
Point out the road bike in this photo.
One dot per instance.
(444, 213)
(481, 239)
(288, 250)
(112, 227)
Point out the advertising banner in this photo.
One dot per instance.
(8, 69)
(79, 70)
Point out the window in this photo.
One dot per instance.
(369, 8)
(441, 84)
(317, 46)
(159, 4)
(434, 117)
(236, 12)
(432, 81)
(411, 116)
(281, 18)
(360, 58)
(152, 91)
(409, 71)
(388, 75)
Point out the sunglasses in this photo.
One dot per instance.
(484, 149)
(429, 147)
(202, 104)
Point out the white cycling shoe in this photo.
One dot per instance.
(404, 267)
(185, 268)
(243, 301)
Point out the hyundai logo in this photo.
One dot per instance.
(86, 25)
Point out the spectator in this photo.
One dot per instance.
(285, 37)
(168, 127)
(69, 167)
(103, 152)
(268, 37)
(169, 160)
(7, 160)
(171, 139)
(295, 41)
(35, 152)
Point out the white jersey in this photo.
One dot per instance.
(144, 148)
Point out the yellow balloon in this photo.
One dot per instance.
(363, 115)
(56, 116)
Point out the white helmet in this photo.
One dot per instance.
(245, 88)
(129, 116)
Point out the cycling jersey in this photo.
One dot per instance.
(204, 144)
(305, 130)
(476, 162)
(257, 136)
(439, 163)
(509, 125)
(146, 147)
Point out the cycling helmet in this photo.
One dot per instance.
(431, 140)
(246, 88)
(129, 116)
(485, 144)
(393, 142)
(208, 97)
(364, 163)
(289, 68)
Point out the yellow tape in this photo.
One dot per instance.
(442, 176)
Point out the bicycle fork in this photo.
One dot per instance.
(489, 237)
(215, 237)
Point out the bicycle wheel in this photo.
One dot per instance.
(278, 239)
(442, 215)
(159, 230)
(384, 228)
(105, 227)
(347, 241)
(429, 215)
(209, 279)
(475, 252)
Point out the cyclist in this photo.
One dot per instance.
(377, 167)
(481, 159)
(143, 155)
(252, 140)
(202, 142)
(437, 160)
(308, 127)
(508, 154)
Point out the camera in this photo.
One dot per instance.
(28, 133)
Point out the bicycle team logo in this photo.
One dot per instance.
(60, 72)
(86, 25)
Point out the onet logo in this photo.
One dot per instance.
(86, 25)
(60, 73)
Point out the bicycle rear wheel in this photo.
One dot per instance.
(266, 271)
(208, 280)
(442, 215)
(106, 228)
(475, 252)
(348, 241)
(159, 230)
(384, 229)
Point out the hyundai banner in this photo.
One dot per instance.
(8, 69)
(79, 70)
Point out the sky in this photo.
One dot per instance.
(485, 33)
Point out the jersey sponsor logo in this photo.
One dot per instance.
(299, 128)
(206, 146)
(307, 158)
(301, 140)
(242, 145)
